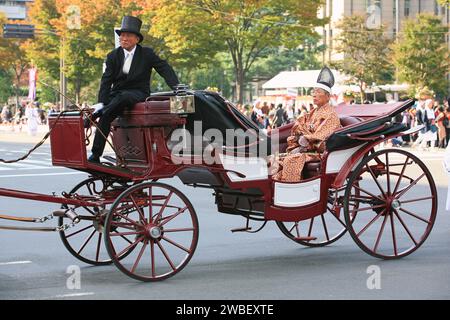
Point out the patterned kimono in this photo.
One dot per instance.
(316, 127)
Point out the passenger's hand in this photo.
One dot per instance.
(303, 142)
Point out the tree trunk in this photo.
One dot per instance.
(362, 93)
(77, 91)
(240, 76)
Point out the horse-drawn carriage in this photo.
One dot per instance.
(150, 229)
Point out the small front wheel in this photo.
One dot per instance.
(159, 223)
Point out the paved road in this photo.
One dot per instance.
(266, 265)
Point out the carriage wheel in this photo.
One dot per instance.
(318, 231)
(397, 204)
(83, 241)
(162, 226)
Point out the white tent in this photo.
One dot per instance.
(308, 78)
(301, 79)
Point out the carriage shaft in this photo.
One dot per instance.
(45, 198)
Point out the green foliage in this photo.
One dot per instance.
(444, 2)
(366, 53)
(422, 56)
(6, 89)
(244, 29)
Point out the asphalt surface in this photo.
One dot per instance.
(266, 265)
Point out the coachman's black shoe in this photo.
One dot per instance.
(93, 158)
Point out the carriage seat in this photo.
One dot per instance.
(148, 114)
(312, 168)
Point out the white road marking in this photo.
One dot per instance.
(41, 174)
(72, 295)
(14, 263)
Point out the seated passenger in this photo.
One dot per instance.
(126, 80)
(308, 134)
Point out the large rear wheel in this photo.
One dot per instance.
(397, 204)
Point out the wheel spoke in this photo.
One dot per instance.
(134, 244)
(152, 257)
(340, 221)
(173, 216)
(310, 227)
(136, 263)
(165, 255)
(415, 216)
(367, 192)
(388, 175)
(370, 223)
(141, 214)
(150, 205)
(400, 176)
(87, 240)
(404, 190)
(367, 208)
(128, 219)
(419, 199)
(127, 226)
(99, 242)
(176, 244)
(179, 230)
(325, 227)
(79, 231)
(405, 227)
(159, 214)
(394, 242)
(121, 234)
(380, 233)
(376, 180)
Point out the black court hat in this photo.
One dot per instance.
(133, 25)
(325, 80)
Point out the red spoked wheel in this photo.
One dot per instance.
(397, 204)
(318, 231)
(159, 223)
(84, 240)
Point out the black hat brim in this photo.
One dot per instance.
(141, 37)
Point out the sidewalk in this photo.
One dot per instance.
(17, 136)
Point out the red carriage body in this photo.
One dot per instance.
(131, 203)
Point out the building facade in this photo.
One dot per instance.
(390, 13)
(14, 9)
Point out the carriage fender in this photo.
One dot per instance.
(354, 159)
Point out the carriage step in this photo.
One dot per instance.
(241, 229)
(305, 238)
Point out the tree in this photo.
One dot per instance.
(366, 53)
(444, 2)
(422, 56)
(84, 30)
(13, 58)
(282, 59)
(245, 29)
(6, 89)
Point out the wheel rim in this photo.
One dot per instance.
(391, 222)
(84, 240)
(160, 224)
(326, 228)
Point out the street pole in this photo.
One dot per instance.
(62, 77)
(397, 29)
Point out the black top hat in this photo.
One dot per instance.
(133, 25)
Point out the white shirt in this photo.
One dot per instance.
(128, 59)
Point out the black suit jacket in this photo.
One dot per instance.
(138, 79)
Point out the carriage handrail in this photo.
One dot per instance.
(363, 133)
(366, 138)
